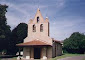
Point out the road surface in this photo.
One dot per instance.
(74, 58)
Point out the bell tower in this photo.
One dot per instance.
(38, 28)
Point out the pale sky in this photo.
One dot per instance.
(65, 16)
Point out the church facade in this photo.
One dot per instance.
(38, 44)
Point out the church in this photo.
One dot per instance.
(38, 44)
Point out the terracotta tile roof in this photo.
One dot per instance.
(56, 41)
(34, 43)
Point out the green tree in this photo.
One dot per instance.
(18, 35)
(21, 32)
(4, 29)
(75, 43)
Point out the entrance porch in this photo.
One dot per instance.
(36, 51)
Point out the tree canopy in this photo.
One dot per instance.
(18, 34)
(75, 43)
(8, 38)
(4, 28)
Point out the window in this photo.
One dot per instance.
(41, 28)
(34, 28)
(37, 19)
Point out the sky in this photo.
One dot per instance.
(65, 16)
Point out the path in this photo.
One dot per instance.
(74, 58)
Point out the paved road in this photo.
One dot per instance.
(74, 58)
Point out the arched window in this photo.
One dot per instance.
(37, 19)
(41, 28)
(34, 28)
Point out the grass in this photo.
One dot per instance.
(67, 55)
